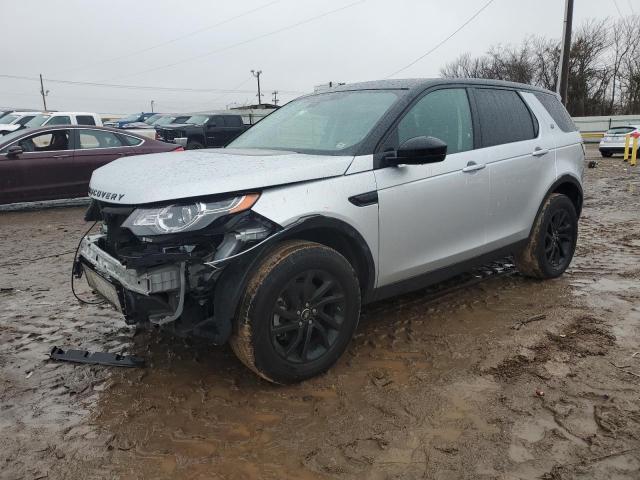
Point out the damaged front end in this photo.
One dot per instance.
(164, 265)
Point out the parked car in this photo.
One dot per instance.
(64, 118)
(336, 199)
(614, 139)
(56, 162)
(15, 121)
(133, 118)
(203, 130)
(147, 128)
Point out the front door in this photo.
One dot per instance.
(432, 215)
(43, 171)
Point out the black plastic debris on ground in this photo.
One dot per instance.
(96, 358)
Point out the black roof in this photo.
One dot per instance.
(422, 83)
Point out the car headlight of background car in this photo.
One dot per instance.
(177, 218)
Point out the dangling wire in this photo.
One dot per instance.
(75, 256)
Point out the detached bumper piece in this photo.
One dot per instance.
(96, 358)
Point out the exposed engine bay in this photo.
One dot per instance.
(169, 279)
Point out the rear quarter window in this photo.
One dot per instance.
(504, 117)
(557, 111)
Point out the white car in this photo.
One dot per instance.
(614, 139)
(15, 120)
(64, 118)
(338, 198)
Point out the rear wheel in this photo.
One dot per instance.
(298, 313)
(193, 145)
(607, 154)
(552, 243)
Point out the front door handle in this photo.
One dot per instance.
(539, 152)
(61, 156)
(473, 166)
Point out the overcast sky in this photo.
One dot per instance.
(114, 42)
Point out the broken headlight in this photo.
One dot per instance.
(188, 217)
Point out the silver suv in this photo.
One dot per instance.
(337, 199)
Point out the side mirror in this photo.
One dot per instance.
(420, 150)
(14, 151)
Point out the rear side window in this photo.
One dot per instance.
(85, 120)
(232, 121)
(131, 141)
(60, 120)
(98, 139)
(504, 117)
(557, 111)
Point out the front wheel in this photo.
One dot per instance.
(552, 242)
(298, 313)
(193, 145)
(606, 154)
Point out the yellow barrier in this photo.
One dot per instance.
(634, 151)
(627, 141)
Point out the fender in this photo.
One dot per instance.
(232, 282)
(566, 178)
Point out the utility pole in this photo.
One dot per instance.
(275, 97)
(257, 75)
(563, 81)
(43, 93)
(152, 102)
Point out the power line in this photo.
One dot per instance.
(244, 42)
(173, 40)
(137, 87)
(445, 40)
(633, 10)
(615, 2)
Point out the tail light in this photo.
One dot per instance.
(179, 149)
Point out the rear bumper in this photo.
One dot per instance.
(611, 149)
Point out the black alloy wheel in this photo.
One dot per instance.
(308, 316)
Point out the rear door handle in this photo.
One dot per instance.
(473, 166)
(61, 156)
(538, 152)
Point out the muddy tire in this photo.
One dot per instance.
(298, 313)
(193, 145)
(552, 242)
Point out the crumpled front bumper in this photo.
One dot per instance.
(154, 280)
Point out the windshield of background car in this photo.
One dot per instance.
(153, 119)
(197, 119)
(327, 123)
(164, 121)
(37, 121)
(620, 130)
(7, 119)
(130, 118)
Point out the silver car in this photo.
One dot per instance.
(339, 198)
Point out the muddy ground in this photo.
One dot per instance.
(442, 389)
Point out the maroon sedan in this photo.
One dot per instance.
(56, 162)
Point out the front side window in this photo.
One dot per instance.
(59, 120)
(98, 139)
(504, 117)
(85, 120)
(327, 123)
(443, 114)
(232, 121)
(46, 142)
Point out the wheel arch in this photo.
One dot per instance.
(328, 231)
(571, 187)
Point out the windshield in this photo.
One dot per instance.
(130, 118)
(38, 120)
(197, 119)
(328, 123)
(620, 130)
(153, 119)
(7, 119)
(165, 120)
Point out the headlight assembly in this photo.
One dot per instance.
(188, 217)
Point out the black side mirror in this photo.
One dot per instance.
(419, 150)
(14, 151)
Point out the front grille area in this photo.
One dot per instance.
(169, 135)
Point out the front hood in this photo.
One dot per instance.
(178, 126)
(170, 176)
(9, 127)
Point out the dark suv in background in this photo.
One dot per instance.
(203, 130)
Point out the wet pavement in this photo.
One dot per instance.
(508, 378)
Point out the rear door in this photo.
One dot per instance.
(44, 171)
(96, 148)
(520, 159)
